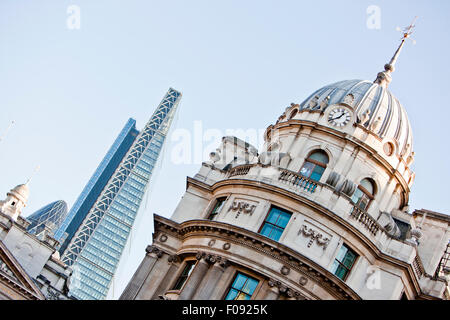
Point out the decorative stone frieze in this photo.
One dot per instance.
(315, 235)
(240, 206)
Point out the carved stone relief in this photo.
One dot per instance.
(242, 206)
(320, 238)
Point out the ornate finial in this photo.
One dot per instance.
(384, 77)
(6, 131)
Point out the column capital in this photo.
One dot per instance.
(213, 259)
(284, 289)
(153, 249)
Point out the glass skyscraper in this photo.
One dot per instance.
(100, 222)
(50, 216)
(96, 184)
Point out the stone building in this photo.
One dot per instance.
(320, 213)
(30, 268)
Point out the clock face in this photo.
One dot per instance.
(339, 117)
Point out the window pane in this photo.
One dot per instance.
(232, 294)
(273, 216)
(283, 220)
(340, 256)
(250, 286)
(242, 288)
(349, 259)
(276, 233)
(341, 272)
(307, 169)
(317, 173)
(242, 296)
(239, 282)
(367, 185)
(319, 156)
(266, 230)
(357, 195)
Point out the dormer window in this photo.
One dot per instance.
(315, 165)
(364, 194)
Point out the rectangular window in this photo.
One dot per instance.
(184, 275)
(217, 207)
(276, 221)
(344, 262)
(242, 288)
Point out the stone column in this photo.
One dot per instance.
(195, 278)
(167, 279)
(212, 278)
(141, 274)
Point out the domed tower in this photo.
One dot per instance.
(15, 201)
(319, 213)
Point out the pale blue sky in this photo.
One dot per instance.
(237, 63)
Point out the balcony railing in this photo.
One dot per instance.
(240, 170)
(364, 218)
(297, 180)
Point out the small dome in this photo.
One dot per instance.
(366, 96)
(21, 192)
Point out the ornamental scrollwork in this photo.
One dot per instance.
(242, 207)
(320, 239)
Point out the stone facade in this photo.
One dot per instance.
(30, 266)
(357, 201)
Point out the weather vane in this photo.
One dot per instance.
(408, 31)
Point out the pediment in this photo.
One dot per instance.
(15, 278)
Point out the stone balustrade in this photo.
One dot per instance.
(364, 218)
(240, 170)
(296, 179)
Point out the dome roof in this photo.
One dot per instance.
(361, 96)
(52, 214)
(21, 192)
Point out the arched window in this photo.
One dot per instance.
(364, 194)
(315, 165)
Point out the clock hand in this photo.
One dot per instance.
(338, 117)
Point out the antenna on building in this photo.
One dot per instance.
(34, 172)
(6, 131)
(384, 77)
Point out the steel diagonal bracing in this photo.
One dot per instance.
(118, 179)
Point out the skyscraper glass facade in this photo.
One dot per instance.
(97, 245)
(96, 184)
(50, 216)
